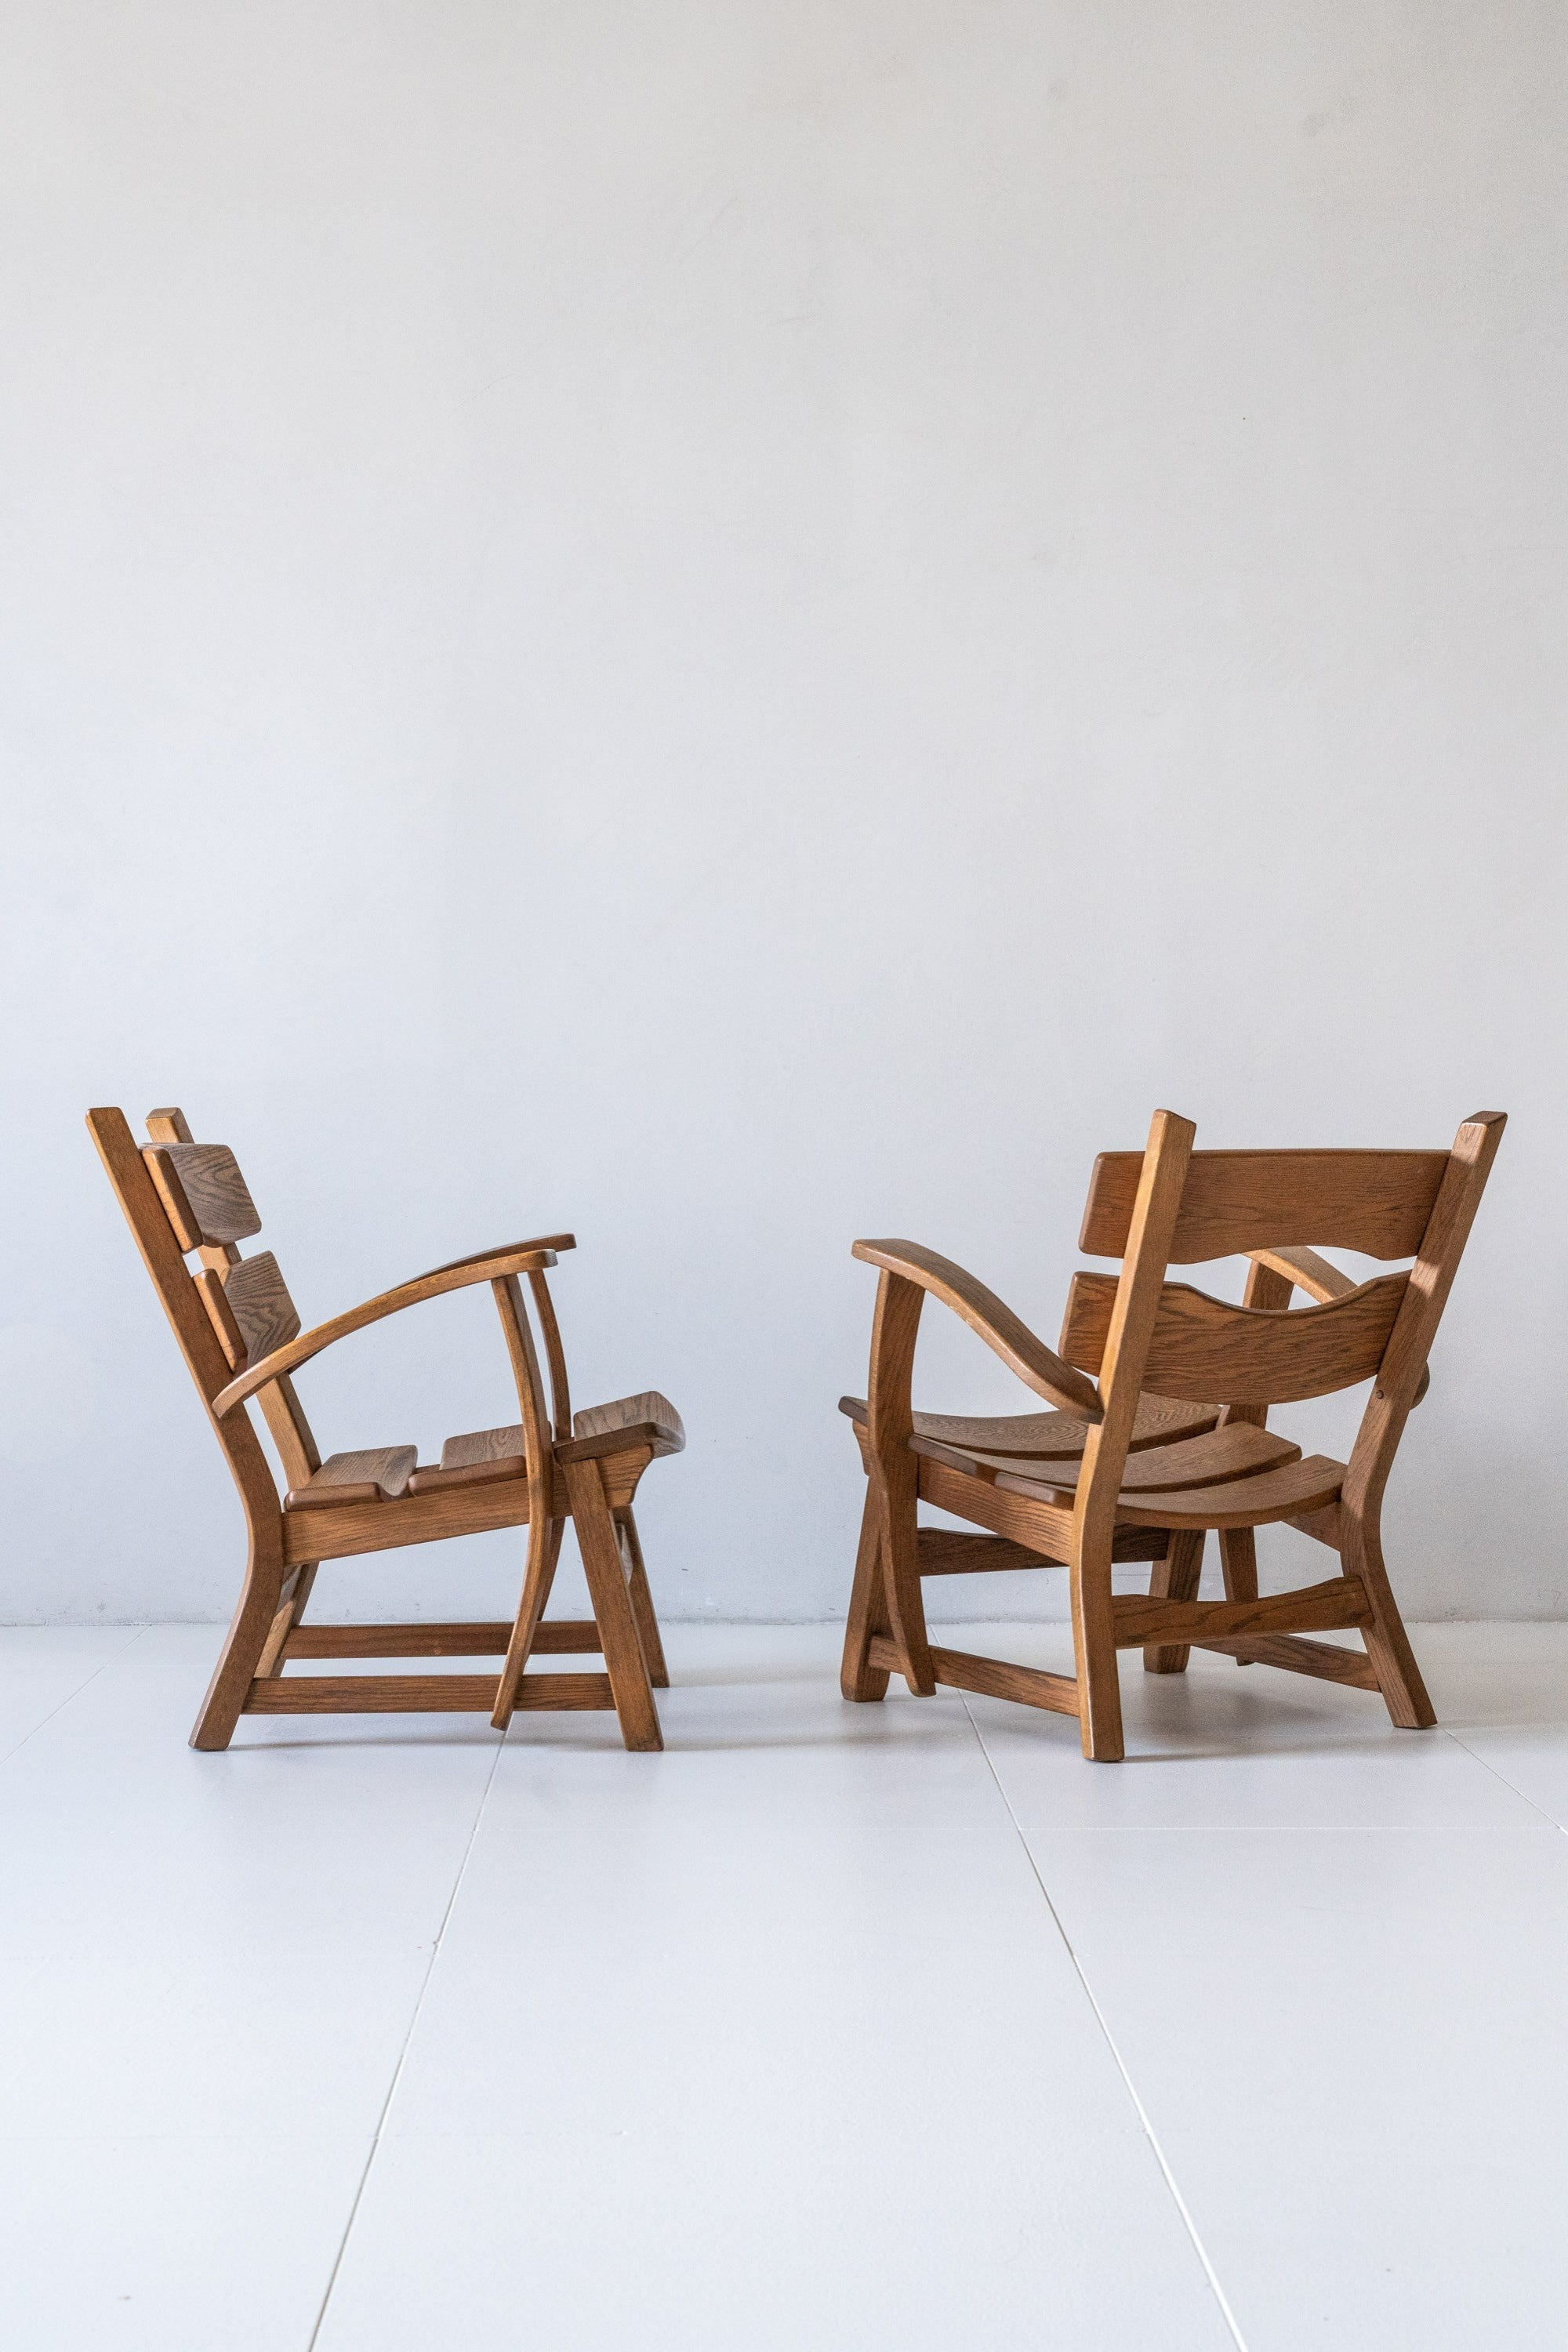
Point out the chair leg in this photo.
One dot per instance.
(1094, 1649)
(857, 1678)
(618, 1638)
(242, 1651)
(1175, 1578)
(642, 1600)
(1387, 1644)
(1238, 1559)
(543, 1552)
(296, 1592)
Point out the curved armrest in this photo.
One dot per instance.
(553, 1242)
(1321, 1282)
(530, 1258)
(1037, 1366)
(1308, 1271)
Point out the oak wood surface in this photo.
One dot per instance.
(1324, 1659)
(1174, 1577)
(378, 1474)
(998, 1678)
(234, 1316)
(1156, 1206)
(949, 1551)
(374, 1310)
(1037, 1366)
(648, 1418)
(1050, 1436)
(1086, 1493)
(1221, 1454)
(203, 1194)
(1316, 1608)
(1200, 1344)
(418, 1694)
(618, 1638)
(1376, 1203)
(567, 1636)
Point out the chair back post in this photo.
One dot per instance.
(893, 1469)
(1421, 1310)
(536, 1433)
(259, 1597)
(554, 1355)
(1148, 1238)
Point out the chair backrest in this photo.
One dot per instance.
(184, 1199)
(1171, 1205)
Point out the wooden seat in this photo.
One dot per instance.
(377, 1476)
(1132, 1463)
(241, 1339)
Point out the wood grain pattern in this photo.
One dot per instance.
(378, 1473)
(1324, 1659)
(1175, 1578)
(234, 1317)
(344, 1530)
(640, 1594)
(261, 1591)
(568, 1636)
(1260, 1501)
(1037, 1366)
(648, 1418)
(1093, 1495)
(257, 1299)
(373, 1310)
(1260, 1357)
(1376, 1203)
(1050, 1436)
(419, 1694)
(1029, 1516)
(998, 1678)
(1221, 1454)
(1340, 1604)
(204, 1196)
(947, 1551)
(613, 1612)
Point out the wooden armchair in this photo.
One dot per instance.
(1135, 1463)
(240, 1337)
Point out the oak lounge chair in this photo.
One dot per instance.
(240, 1337)
(1136, 1463)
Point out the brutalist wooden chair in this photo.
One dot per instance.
(1136, 1463)
(240, 1337)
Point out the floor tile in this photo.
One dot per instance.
(704, 2084)
(1503, 1691)
(41, 1666)
(1353, 2049)
(124, 2043)
(1224, 1746)
(335, 1830)
(755, 1730)
(148, 2244)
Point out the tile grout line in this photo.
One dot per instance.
(86, 1681)
(1550, 1819)
(402, 2050)
(1139, 2110)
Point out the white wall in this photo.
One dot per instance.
(738, 624)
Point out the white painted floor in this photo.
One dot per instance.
(830, 2027)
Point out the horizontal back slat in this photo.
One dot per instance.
(203, 1192)
(1204, 1350)
(259, 1300)
(1375, 1202)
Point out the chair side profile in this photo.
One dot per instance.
(1160, 1432)
(241, 1339)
